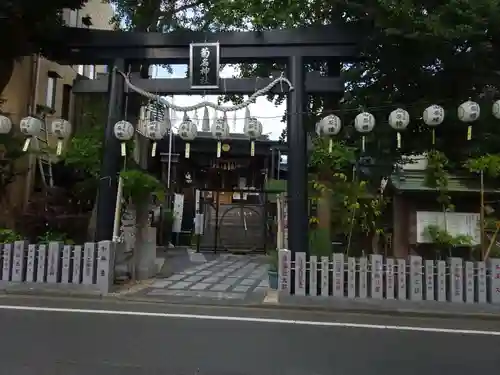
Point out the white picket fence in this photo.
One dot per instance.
(415, 279)
(90, 265)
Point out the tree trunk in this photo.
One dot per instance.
(93, 221)
(142, 208)
(324, 213)
(141, 229)
(375, 243)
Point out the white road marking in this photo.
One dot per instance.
(253, 320)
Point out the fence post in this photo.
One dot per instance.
(494, 287)
(77, 265)
(88, 263)
(430, 294)
(105, 266)
(469, 282)
(53, 262)
(338, 274)
(363, 277)
(30, 264)
(351, 277)
(376, 291)
(401, 268)
(41, 268)
(389, 278)
(300, 274)
(284, 265)
(441, 281)
(415, 278)
(313, 275)
(325, 276)
(481, 283)
(18, 261)
(7, 262)
(456, 280)
(65, 265)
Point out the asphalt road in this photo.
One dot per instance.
(70, 337)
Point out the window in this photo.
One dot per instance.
(66, 100)
(73, 18)
(51, 92)
(91, 72)
(80, 70)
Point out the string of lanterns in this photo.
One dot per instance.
(399, 119)
(188, 129)
(33, 127)
(329, 126)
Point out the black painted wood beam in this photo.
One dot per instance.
(180, 55)
(172, 86)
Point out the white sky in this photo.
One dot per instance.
(269, 114)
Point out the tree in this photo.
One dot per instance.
(30, 25)
(10, 153)
(415, 53)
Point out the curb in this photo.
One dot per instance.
(408, 313)
(116, 297)
(53, 293)
(314, 308)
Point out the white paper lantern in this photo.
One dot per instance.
(156, 130)
(61, 128)
(329, 126)
(253, 128)
(468, 111)
(124, 131)
(364, 122)
(433, 115)
(187, 130)
(220, 129)
(496, 109)
(399, 119)
(31, 126)
(5, 125)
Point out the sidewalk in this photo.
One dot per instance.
(384, 307)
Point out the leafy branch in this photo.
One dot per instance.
(444, 240)
(488, 164)
(138, 186)
(437, 177)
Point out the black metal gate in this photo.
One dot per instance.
(238, 225)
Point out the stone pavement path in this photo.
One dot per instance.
(229, 277)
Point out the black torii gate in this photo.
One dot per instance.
(294, 48)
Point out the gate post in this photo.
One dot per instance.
(298, 223)
(110, 165)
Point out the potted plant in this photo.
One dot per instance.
(273, 269)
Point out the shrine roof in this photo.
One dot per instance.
(414, 181)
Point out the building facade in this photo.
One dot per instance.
(38, 86)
